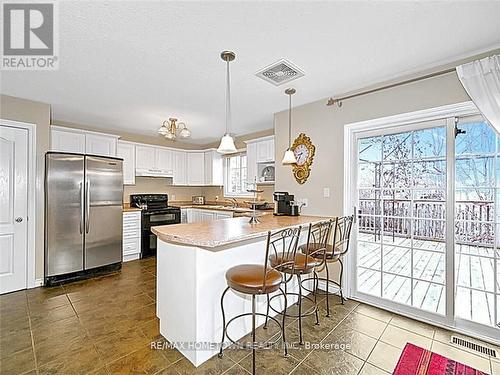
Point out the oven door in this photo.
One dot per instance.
(153, 219)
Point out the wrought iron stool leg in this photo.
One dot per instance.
(316, 282)
(267, 312)
(223, 322)
(299, 303)
(340, 281)
(253, 334)
(327, 292)
(283, 322)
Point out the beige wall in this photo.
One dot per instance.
(212, 192)
(23, 110)
(152, 185)
(325, 126)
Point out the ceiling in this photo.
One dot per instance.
(127, 66)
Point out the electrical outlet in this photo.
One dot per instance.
(302, 201)
(326, 192)
(172, 197)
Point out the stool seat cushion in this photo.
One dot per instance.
(300, 265)
(332, 255)
(249, 279)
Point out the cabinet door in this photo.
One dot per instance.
(64, 141)
(270, 150)
(145, 158)
(214, 171)
(207, 215)
(251, 162)
(126, 151)
(100, 145)
(179, 168)
(208, 168)
(195, 168)
(164, 160)
(262, 151)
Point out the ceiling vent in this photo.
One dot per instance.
(280, 72)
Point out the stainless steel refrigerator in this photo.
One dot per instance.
(83, 214)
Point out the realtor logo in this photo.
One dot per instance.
(29, 31)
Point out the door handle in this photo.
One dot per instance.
(82, 207)
(19, 219)
(87, 208)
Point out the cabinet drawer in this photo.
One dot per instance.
(131, 233)
(131, 246)
(131, 225)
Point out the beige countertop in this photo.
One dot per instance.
(220, 207)
(130, 209)
(216, 233)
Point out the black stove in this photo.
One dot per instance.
(155, 211)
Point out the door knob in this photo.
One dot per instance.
(19, 219)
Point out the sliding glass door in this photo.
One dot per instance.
(477, 182)
(427, 196)
(402, 207)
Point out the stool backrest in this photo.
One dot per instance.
(342, 234)
(282, 245)
(317, 239)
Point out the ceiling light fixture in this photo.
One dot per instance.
(289, 157)
(227, 142)
(171, 129)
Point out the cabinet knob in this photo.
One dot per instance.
(19, 219)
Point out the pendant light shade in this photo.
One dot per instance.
(227, 142)
(226, 145)
(289, 157)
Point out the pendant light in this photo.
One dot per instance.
(227, 142)
(289, 157)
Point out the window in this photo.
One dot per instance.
(235, 176)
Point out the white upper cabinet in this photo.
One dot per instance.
(180, 166)
(82, 142)
(126, 151)
(164, 160)
(251, 162)
(260, 154)
(103, 145)
(67, 141)
(265, 151)
(195, 168)
(214, 169)
(145, 158)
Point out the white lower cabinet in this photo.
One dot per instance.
(131, 235)
(197, 215)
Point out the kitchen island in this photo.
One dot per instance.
(192, 260)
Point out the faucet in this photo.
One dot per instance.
(233, 201)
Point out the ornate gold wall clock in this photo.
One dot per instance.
(303, 150)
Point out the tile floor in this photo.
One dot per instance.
(106, 325)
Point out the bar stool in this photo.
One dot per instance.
(303, 264)
(334, 253)
(257, 279)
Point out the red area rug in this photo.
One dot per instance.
(418, 361)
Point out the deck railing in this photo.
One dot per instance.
(426, 219)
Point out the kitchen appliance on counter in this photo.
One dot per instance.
(199, 200)
(83, 215)
(155, 211)
(283, 203)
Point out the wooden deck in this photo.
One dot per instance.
(475, 275)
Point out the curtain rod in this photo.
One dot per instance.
(338, 101)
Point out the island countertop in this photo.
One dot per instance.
(217, 233)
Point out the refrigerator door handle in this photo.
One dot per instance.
(87, 208)
(82, 207)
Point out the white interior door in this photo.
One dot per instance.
(13, 208)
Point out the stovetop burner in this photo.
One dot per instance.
(150, 202)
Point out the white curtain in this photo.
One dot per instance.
(481, 80)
